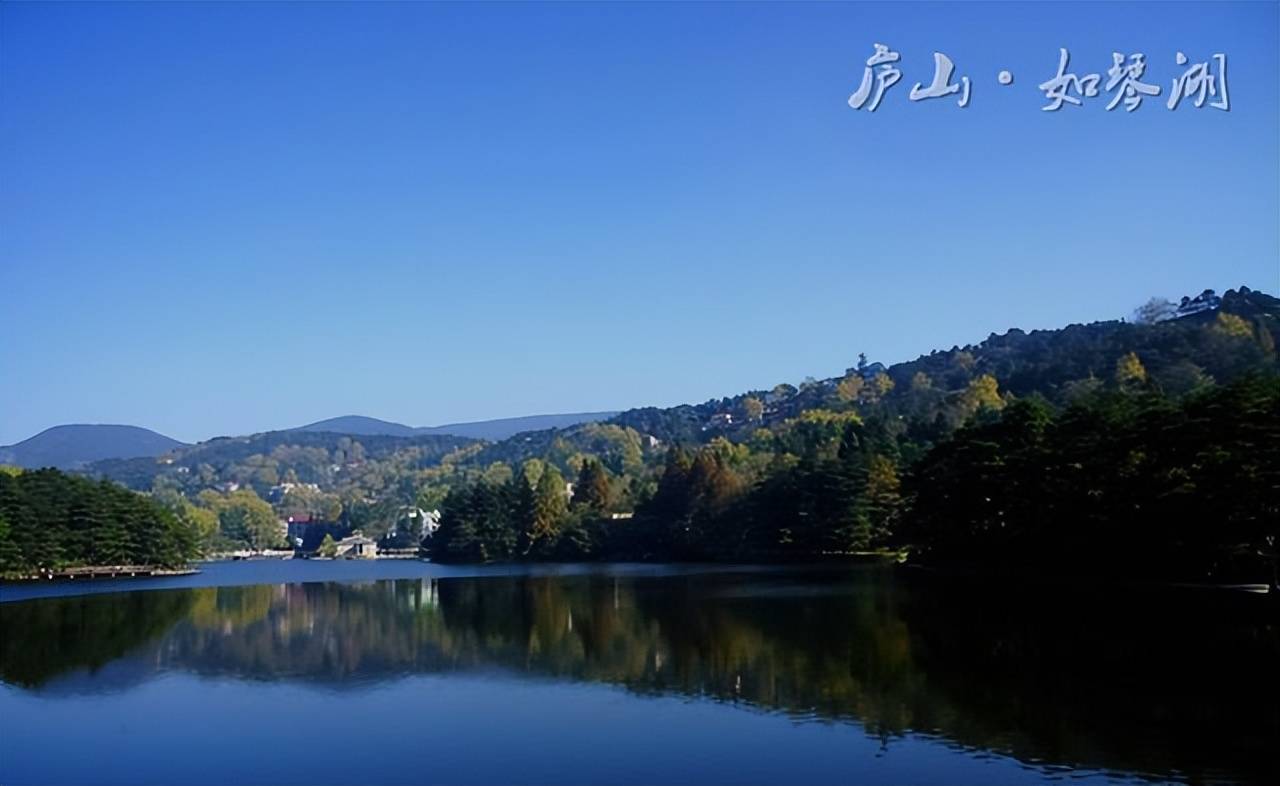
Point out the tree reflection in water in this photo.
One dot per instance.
(1140, 681)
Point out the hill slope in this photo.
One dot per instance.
(72, 446)
(926, 397)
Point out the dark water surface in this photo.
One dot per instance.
(392, 672)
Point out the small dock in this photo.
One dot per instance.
(105, 572)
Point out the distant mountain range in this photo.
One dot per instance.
(1174, 343)
(74, 446)
(483, 429)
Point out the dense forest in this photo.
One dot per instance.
(1147, 441)
(49, 520)
(1122, 454)
(1126, 483)
(1121, 483)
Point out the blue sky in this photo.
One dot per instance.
(225, 218)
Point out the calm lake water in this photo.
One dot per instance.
(403, 672)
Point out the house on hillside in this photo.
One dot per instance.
(279, 491)
(719, 420)
(867, 371)
(1207, 300)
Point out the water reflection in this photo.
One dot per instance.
(1174, 687)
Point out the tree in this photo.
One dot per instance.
(592, 491)
(982, 393)
(549, 508)
(111, 545)
(881, 500)
(475, 525)
(1231, 326)
(52, 520)
(881, 383)
(201, 522)
(1119, 484)
(1183, 377)
(671, 499)
(1078, 390)
(850, 388)
(1265, 340)
(753, 408)
(1130, 373)
(328, 547)
(1157, 309)
(10, 555)
(245, 519)
(783, 390)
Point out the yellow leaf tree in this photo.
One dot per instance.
(983, 392)
(1130, 373)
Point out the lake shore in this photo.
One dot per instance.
(99, 572)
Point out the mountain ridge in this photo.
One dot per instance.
(494, 429)
(76, 445)
(358, 425)
(73, 445)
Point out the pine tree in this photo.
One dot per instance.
(520, 506)
(328, 547)
(10, 556)
(592, 491)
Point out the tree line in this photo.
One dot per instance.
(825, 468)
(49, 519)
(1132, 483)
(1124, 481)
(368, 483)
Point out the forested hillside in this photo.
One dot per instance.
(836, 466)
(912, 405)
(1126, 483)
(870, 460)
(332, 461)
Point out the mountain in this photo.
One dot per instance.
(493, 430)
(72, 446)
(503, 428)
(360, 425)
(360, 464)
(1209, 339)
(77, 446)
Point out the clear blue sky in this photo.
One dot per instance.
(222, 218)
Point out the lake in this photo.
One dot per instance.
(395, 672)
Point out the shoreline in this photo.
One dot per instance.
(91, 572)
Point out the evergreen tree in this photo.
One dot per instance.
(592, 491)
(328, 546)
(10, 555)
